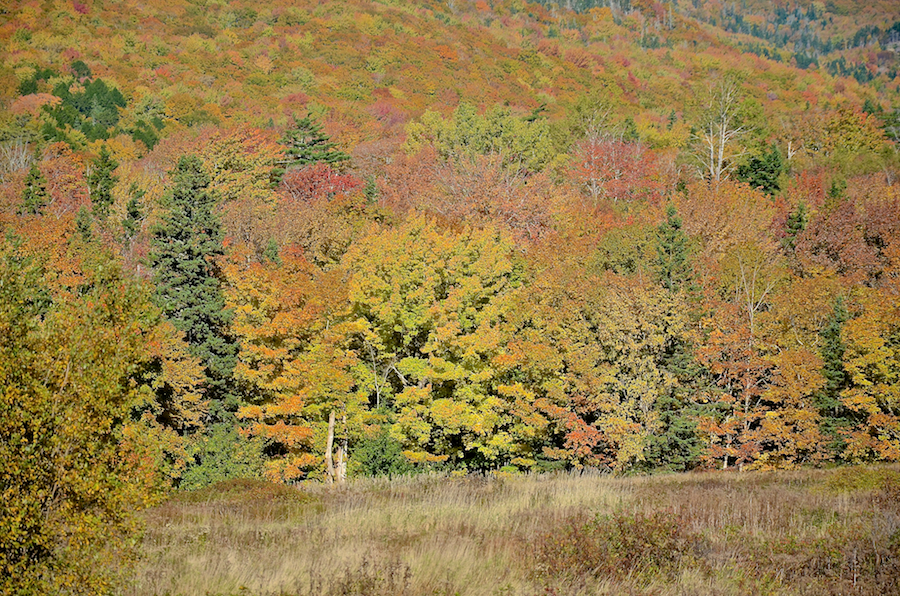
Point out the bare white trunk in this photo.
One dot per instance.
(329, 446)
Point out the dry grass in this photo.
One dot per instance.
(811, 532)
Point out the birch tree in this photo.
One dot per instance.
(721, 129)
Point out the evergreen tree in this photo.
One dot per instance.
(83, 224)
(673, 118)
(133, 213)
(35, 196)
(835, 194)
(762, 171)
(188, 281)
(370, 190)
(796, 223)
(184, 248)
(381, 455)
(307, 144)
(271, 252)
(676, 447)
(101, 182)
(673, 270)
(629, 131)
(834, 415)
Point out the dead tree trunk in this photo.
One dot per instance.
(342, 455)
(329, 446)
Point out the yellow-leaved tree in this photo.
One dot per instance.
(429, 302)
(74, 468)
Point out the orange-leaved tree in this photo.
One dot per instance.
(291, 319)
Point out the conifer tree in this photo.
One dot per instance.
(101, 182)
(673, 270)
(188, 281)
(762, 171)
(189, 292)
(370, 190)
(133, 213)
(676, 446)
(83, 224)
(834, 414)
(35, 196)
(307, 144)
(796, 223)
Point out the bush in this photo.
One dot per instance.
(381, 455)
(70, 477)
(616, 546)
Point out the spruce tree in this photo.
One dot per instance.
(834, 415)
(796, 223)
(101, 182)
(83, 224)
(184, 248)
(188, 281)
(133, 213)
(673, 270)
(676, 447)
(370, 190)
(306, 144)
(35, 196)
(762, 171)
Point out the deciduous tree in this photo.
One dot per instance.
(71, 479)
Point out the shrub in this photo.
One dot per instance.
(616, 546)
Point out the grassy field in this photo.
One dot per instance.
(806, 532)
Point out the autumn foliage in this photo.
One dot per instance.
(272, 241)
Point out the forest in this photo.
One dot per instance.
(317, 241)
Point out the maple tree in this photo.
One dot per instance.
(292, 320)
(240, 162)
(871, 363)
(617, 170)
(429, 301)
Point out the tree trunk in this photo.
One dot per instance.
(329, 445)
(342, 455)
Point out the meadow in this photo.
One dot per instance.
(807, 532)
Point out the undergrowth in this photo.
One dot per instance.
(813, 533)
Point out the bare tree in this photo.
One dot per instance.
(721, 131)
(15, 155)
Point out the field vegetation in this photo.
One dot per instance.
(804, 532)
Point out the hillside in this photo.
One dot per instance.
(307, 242)
(372, 66)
